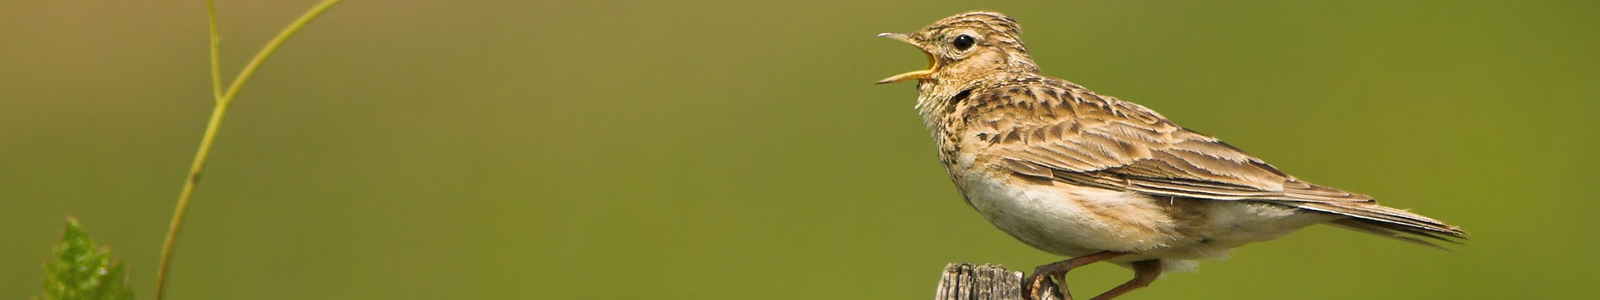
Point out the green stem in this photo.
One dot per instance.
(216, 52)
(218, 111)
(250, 68)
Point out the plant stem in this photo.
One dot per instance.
(250, 68)
(216, 52)
(217, 112)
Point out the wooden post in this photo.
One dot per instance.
(965, 281)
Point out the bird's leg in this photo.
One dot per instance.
(1030, 289)
(1144, 272)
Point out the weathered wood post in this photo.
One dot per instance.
(965, 281)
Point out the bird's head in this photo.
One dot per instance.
(967, 46)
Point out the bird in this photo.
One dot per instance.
(1098, 179)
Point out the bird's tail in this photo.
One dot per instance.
(1389, 222)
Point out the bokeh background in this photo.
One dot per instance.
(406, 149)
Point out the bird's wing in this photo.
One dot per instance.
(1053, 129)
(1057, 130)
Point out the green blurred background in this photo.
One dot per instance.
(738, 150)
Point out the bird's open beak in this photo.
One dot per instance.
(933, 64)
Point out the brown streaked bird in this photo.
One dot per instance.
(1094, 178)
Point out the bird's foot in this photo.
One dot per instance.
(1034, 287)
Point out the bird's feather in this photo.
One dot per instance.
(1049, 128)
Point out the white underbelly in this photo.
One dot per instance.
(1232, 224)
(1071, 221)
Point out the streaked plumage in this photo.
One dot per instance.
(1075, 173)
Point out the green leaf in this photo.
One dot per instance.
(82, 271)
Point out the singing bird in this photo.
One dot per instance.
(1095, 178)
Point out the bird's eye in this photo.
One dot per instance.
(963, 42)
